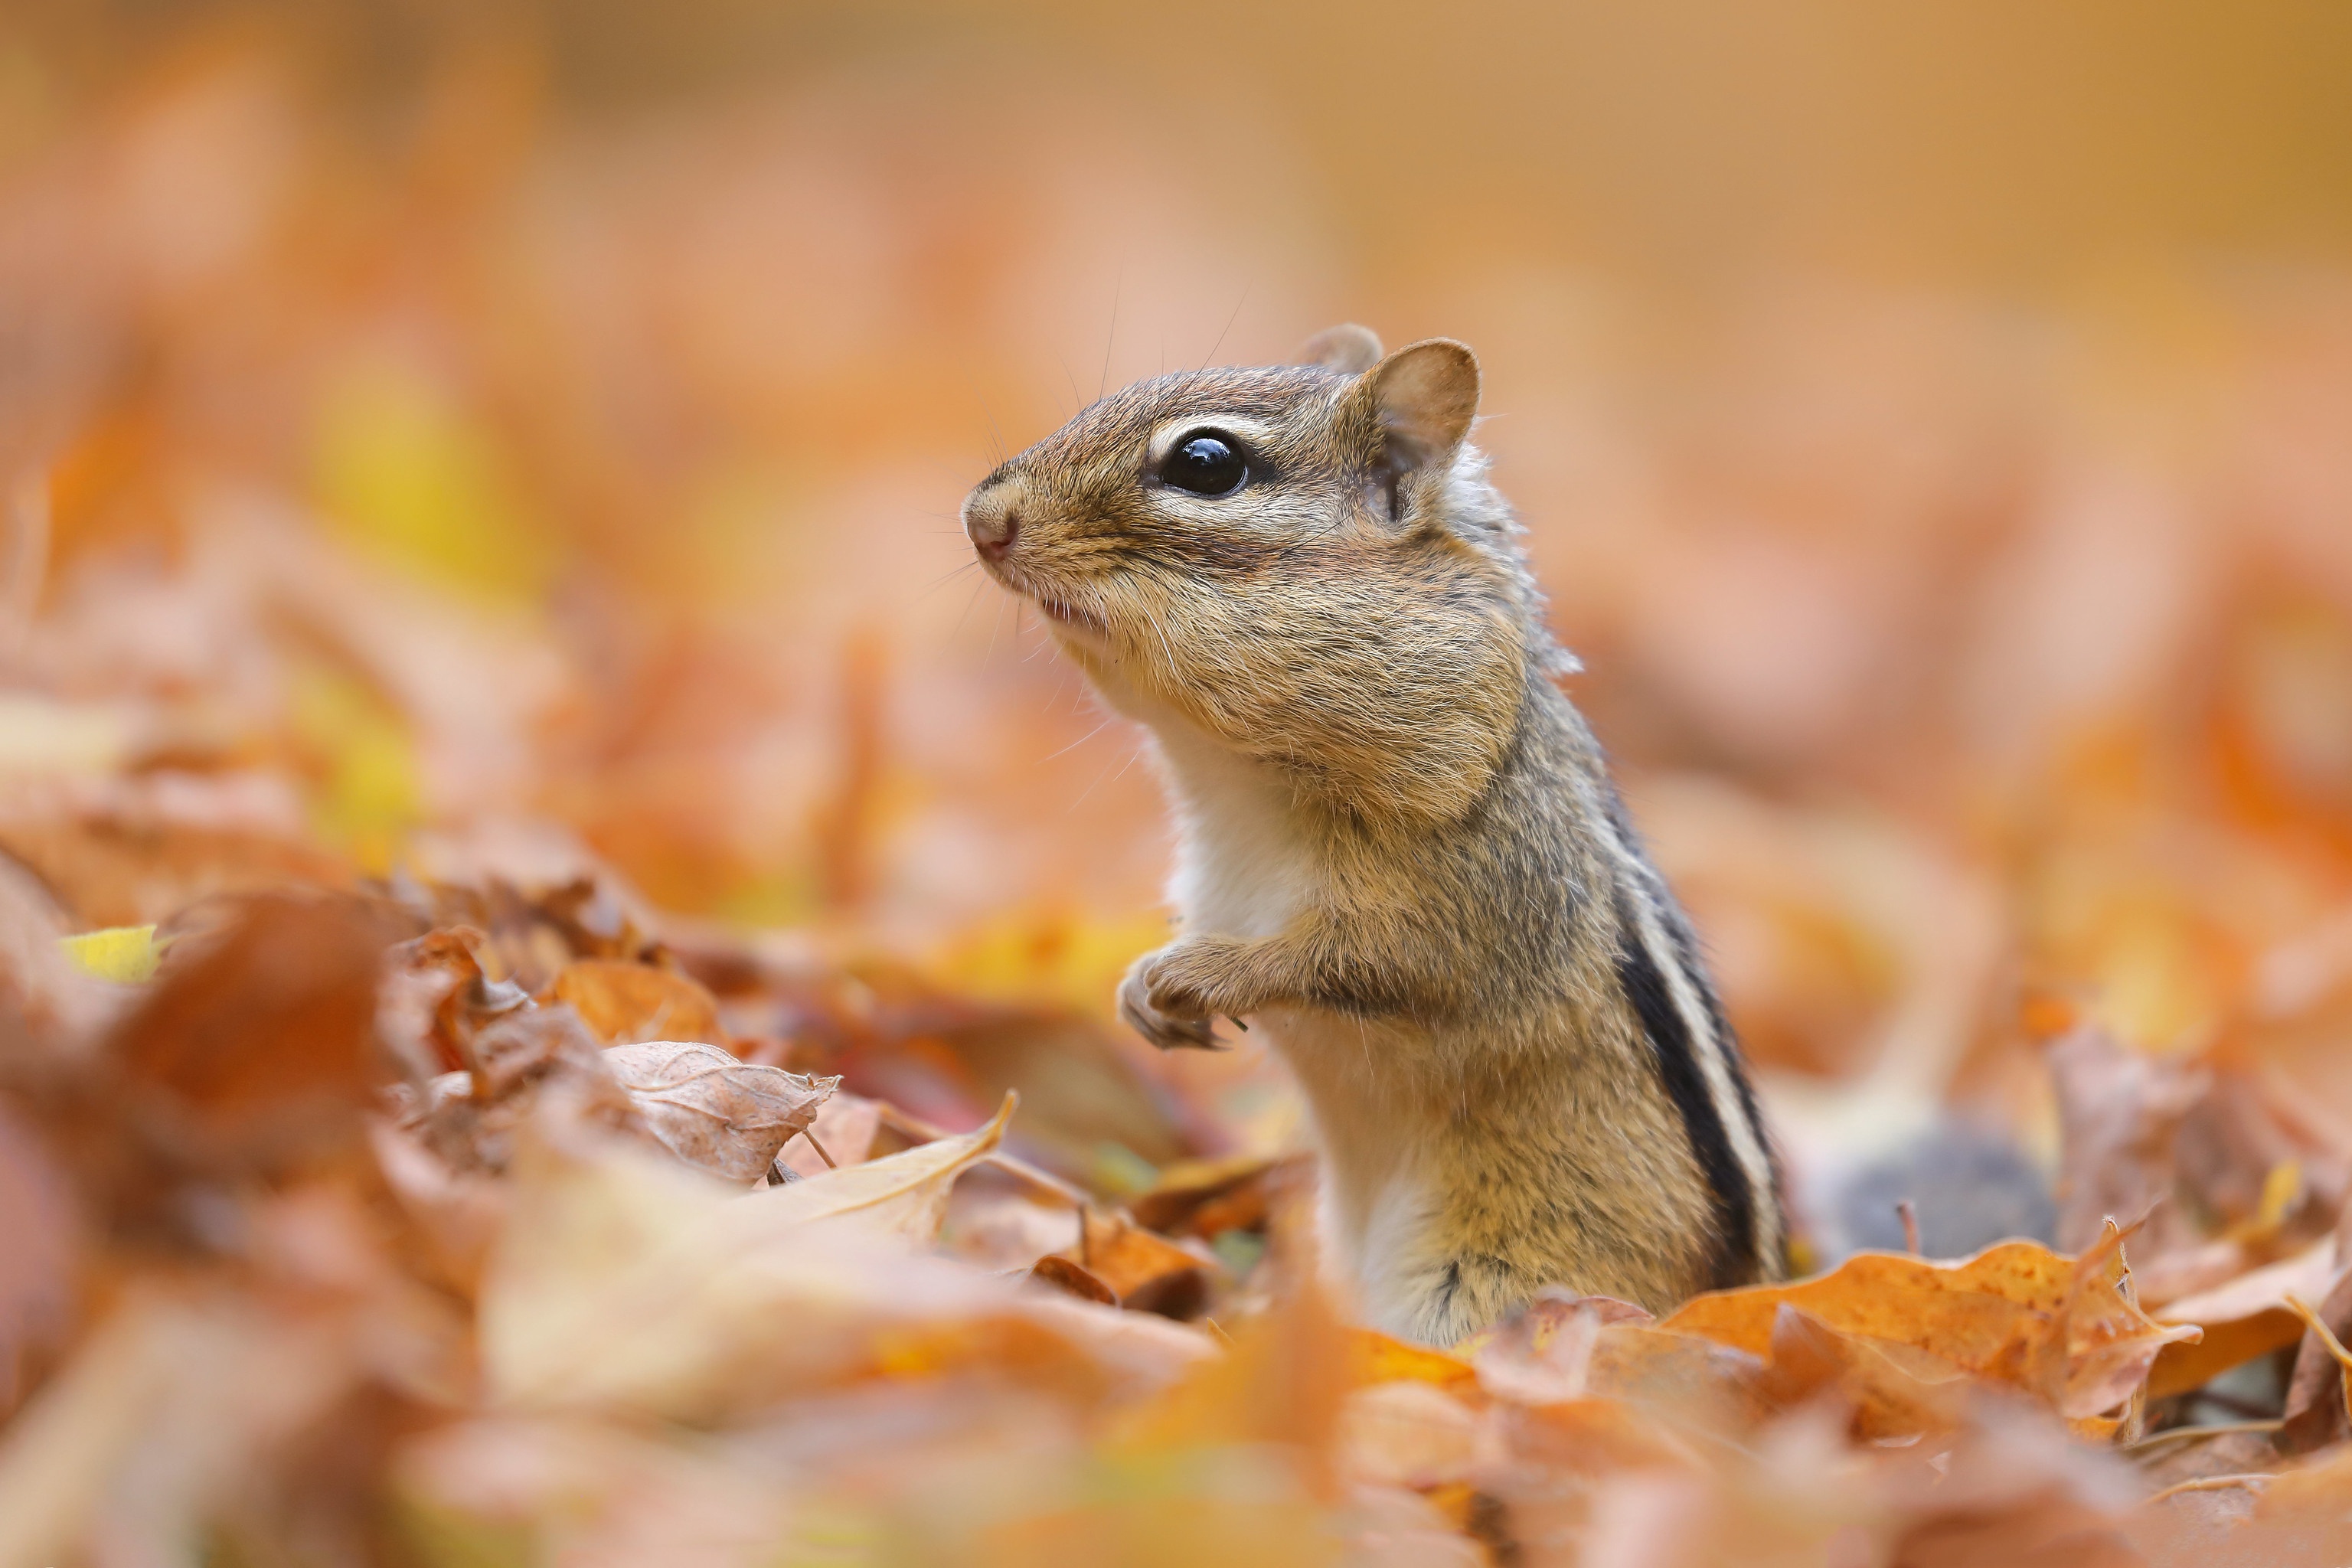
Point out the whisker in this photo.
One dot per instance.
(943, 579)
(967, 604)
(1229, 327)
(995, 626)
(1081, 741)
(1116, 289)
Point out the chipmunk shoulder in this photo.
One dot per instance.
(1400, 853)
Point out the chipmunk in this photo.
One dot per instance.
(1400, 852)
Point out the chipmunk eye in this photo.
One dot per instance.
(1206, 464)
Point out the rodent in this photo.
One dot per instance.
(1400, 853)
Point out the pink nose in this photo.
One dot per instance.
(994, 523)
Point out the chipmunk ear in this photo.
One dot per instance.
(1346, 347)
(1422, 399)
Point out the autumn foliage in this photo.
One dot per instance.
(555, 963)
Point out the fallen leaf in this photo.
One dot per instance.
(2244, 1319)
(259, 1048)
(2316, 1412)
(124, 954)
(2062, 1329)
(622, 1281)
(1406, 1433)
(37, 1265)
(716, 1113)
(1149, 1272)
(1067, 1276)
(2120, 1111)
(903, 1194)
(844, 1127)
(626, 1002)
(1207, 1197)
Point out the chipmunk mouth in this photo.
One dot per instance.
(1061, 612)
(1058, 607)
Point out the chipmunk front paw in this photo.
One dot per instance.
(1170, 995)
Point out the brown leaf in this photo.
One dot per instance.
(997, 1221)
(624, 1280)
(1149, 1272)
(2120, 1113)
(1207, 1197)
(1067, 1276)
(2315, 1413)
(2242, 1320)
(716, 1113)
(36, 1262)
(260, 1047)
(625, 1002)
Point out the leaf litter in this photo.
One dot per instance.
(513, 1055)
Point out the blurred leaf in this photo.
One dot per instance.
(407, 473)
(625, 1002)
(125, 954)
(257, 1047)
(369, 795)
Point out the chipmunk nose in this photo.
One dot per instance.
(991, 519)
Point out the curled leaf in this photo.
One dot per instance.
(904, 1193)
(716, 1113)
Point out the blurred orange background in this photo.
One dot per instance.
(432, 425)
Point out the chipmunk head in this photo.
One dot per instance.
(1303, 563)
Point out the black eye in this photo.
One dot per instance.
(1205, 463)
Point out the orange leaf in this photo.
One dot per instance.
(628, 1003)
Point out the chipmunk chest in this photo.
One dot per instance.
(1243, 866)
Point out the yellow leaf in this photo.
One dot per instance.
(408, 475)
(126, 954)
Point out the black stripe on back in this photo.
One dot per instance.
(1685, 1085)
(1686, 950)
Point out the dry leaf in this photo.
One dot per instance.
(626, 1002)
(2060, 1328)
(844, 1127)
(260, 1047)
(2315, 1413)
(1061, 1274)
(903, 1194)
(37, 1263)
(716, 1113)
(622, 1281)
(124, 954)
(1405, 1433)
(2120, 1111)
(2242, 1320)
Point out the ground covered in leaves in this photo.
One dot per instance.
(479, 1223)
(554, 983)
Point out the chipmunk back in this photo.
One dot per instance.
(1400, 853)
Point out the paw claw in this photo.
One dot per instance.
(1163, 1013)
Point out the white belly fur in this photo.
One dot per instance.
(1378, 1207)
(1245, 869)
